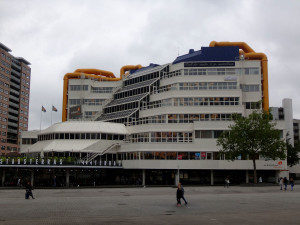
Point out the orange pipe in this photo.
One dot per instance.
(96, 72)
(246, 50)
(129, 67)
(77, 75)
(90, 73)
(264, 65)
(241, 45)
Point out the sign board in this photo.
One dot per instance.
(208, 64)
(75, 112)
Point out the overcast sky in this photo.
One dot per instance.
(60, 36)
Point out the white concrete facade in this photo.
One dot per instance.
(177, 120)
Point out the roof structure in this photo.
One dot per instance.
(226, 53)
(85, 127)
(5, 47)
(98, 146)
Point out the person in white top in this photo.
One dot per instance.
(281, 182)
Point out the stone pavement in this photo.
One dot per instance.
(151, 205)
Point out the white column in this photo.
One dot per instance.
(3, 176)
(211, 177)
(67, 178)
(177, 177)
(32, 177)
(144, 178)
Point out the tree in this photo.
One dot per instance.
(252, 136)
(292, 152)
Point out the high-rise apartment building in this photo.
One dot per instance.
(14, 99)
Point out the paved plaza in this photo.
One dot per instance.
(151, 205)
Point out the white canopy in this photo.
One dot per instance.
(99, 146)
(85, 127)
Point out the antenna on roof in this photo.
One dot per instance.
(178, 51)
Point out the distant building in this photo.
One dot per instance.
(14, 99)
(296, 126)
(285, 113)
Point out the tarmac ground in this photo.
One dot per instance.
(151, 205)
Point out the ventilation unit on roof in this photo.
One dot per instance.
(242, 57)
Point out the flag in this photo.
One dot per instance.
(43, 109)
(54, 109)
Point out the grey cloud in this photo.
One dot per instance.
(58, 37)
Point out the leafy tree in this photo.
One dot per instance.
(292, 153)
(252, 136)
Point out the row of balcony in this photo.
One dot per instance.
(14, 65)
(15, 79)
(13, 111)
(15, 72)
(13, 104)
(13, 117)
(14, 98)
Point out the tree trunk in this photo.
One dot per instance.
(254, 172)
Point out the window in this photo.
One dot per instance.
(74, 102)
(253, 105)
(249, 88)
(206, 134)
(78, 87)
(217, 133)
(101, 89)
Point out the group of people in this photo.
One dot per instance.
(284, 182)
(180, 195)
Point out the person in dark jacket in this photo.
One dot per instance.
(292, 183)
(29, 189)
(182, 189)
(179, 194)
(285, 182)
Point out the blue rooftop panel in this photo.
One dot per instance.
(227, 53)
(144, 68)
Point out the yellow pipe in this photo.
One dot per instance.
(128, 67)
(249, 53)
(241, 45)
(96, 72)
(265, 86)
(77, 75)
(90, 73)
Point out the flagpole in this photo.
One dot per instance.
(41, 119)
(51, 113)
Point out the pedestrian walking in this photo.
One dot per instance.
(19, 182)
(227, 182)
(29, 189)
(281, 183)
(179, 195)
(292, 183)
(182, 189)
(285, 182)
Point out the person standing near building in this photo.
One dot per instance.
(179, 195)
(182, 189)
(281, 183)
(29, 189)
(292, 183)
(227, 182)
(19, 182)
(285, 182)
